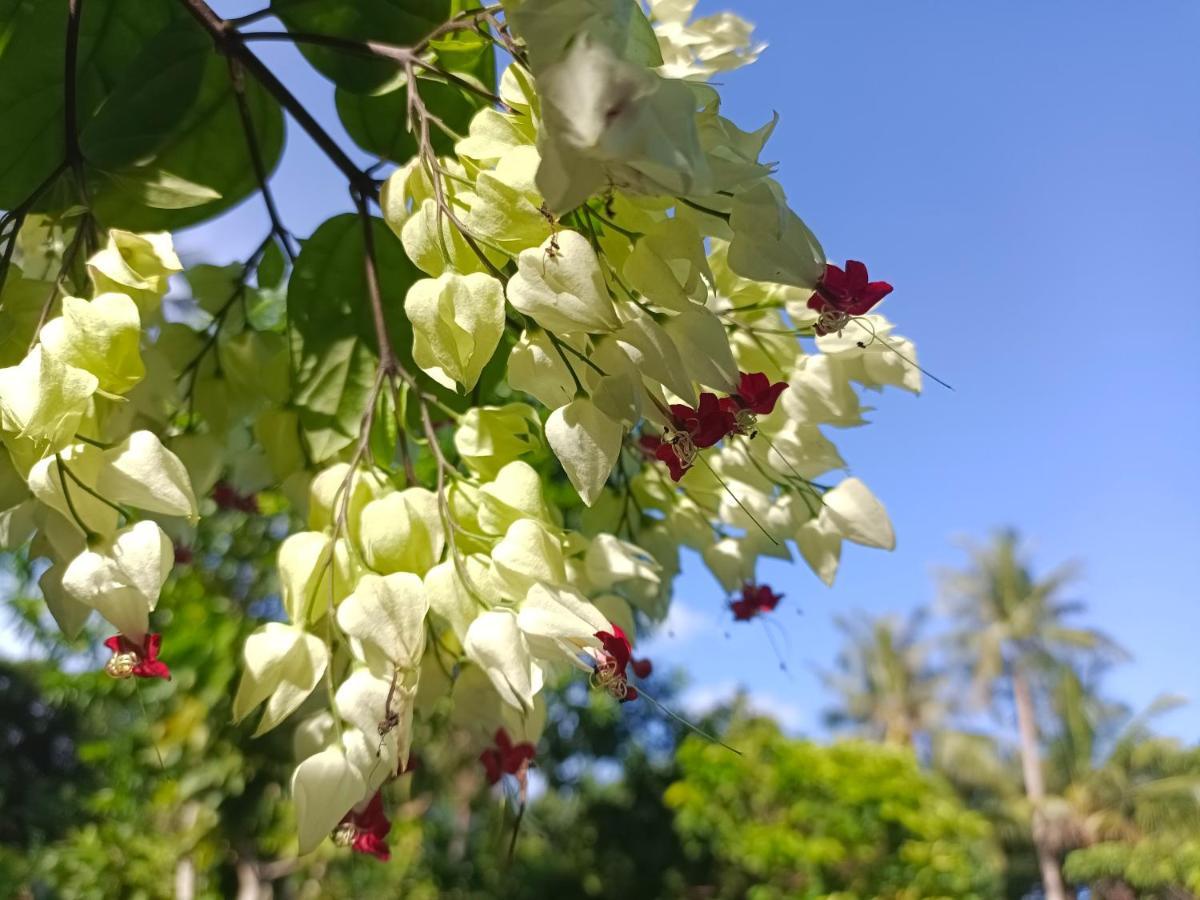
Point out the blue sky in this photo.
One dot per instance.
(1028, 176)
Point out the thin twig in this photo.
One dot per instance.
(15, 218)
(70, 98)
(404, 57)
(238, 80)
(239, 290)
(229, 41)
(64, 272)
(88, 534)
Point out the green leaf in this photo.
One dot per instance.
(266, 308)
(402, 22)
(203, 166)
(385, 432)
(159, 189)
(378, 122)
(21, 303)
(334, 351)
(112, 34)
(271, 268)
(151, 98)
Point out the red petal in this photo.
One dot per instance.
(503, 741)
(151, 646)
(674, 465)
(491, 765)
(834, 280)
(152, 668)
(372, 845)
(856, 275)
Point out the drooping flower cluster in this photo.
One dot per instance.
(78, 459)
(623, 342)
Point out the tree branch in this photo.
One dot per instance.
(403, 57)
(70, 100)
(388, 363)
(236, 77)
(72, 151)
(229, 42)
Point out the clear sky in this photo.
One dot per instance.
(1027, 175)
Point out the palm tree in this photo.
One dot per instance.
(1011, 632)
(887, 688)
(1129, 782)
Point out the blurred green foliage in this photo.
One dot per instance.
(144, 789)
(794, 819)
(1161, 868)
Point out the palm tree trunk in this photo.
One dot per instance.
(1035, 787)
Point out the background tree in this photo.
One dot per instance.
(886, 685)
(789, 818)
(1010, 630)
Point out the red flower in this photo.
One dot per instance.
(642, 667)
(689, 431)
(756, 599)
(612, 661)
(365, 830)
(842, 294)
(506, 757)
(664, 452)
(183, 555)
(708, 423)
(676, 467)
(756, 393)
(140, 660)
(227, 497)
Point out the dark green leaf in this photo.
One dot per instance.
(111, 36)
(402, 22)
(151, 98)
(334, 352)
(207, 150)
(271, 268)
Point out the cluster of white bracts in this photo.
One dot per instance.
(518, 596)
(484, 592)
(629, 237)
(72, 466)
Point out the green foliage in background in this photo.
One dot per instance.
(794, 819)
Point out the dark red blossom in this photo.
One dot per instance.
(842, 294)
(641, 667)
(708, 423)
(133, 659)
(183, 555)
(365, 830)
(690, 430)
(612, 661)
(506, 758)
(227, 497)
(757, 394)
(666, 453)
(756, 599)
